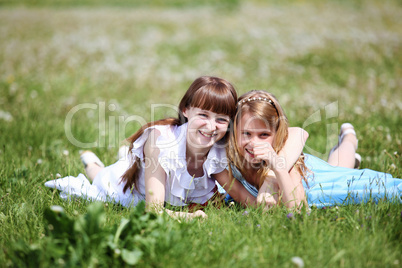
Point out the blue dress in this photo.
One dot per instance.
(329, 185)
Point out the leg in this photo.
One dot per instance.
(344, 154)
(92, 164)
(92, 169)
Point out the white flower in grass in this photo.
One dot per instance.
(6, 116)
(39, 161)
(389, 138)
(34, 94)
(57, 209)
(297, 261)
(65, 152)
(358, 110)
(90, 114)
(58, 175)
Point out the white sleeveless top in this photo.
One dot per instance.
(180, 189)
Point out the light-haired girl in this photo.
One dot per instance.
(260, 132)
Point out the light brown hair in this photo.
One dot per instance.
(263, 106)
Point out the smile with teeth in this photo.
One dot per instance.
(213, 134)
(250, 152)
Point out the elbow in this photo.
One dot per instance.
(303, 135)
(297, 133)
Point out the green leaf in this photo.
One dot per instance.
(131, 257)
(122, 225)
(58, 223)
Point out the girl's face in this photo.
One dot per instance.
(205, 128)
(252, 132)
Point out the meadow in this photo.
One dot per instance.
(78, 75)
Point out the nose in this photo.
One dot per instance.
(253, 140)
(211, 125)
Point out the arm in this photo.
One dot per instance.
(268, 194)
(155, 180)
(291, 188)
(294, 146)
(289, 184)
(235, 189)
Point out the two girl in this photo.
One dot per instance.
(175, 160)
(260, 132)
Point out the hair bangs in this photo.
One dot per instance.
(215, 99)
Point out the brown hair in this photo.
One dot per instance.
(207, 93)
(264, 106)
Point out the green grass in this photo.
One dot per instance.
(336, 61)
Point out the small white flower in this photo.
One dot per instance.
(90, 114)
(39, 161)
(297, 261)
(358, 110)
(389, 138)
(6, 116)
(57, 209)
(58, 175)
(65, 152)
(34, 94)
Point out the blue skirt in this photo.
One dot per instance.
(329, 185)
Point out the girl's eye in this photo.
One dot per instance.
(203, 115)
(222, 120)
(245, 133)
(265, 135)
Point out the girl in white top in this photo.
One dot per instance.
(174, 160)
(170, 160)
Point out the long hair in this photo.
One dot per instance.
(207, 93)
(263, 106)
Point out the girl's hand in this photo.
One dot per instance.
(268, 195)
(267, 200)
(264, 152)
(178, 215)
(199, 213)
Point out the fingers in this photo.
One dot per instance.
(264, 151)
(200, 213)
(261, 148)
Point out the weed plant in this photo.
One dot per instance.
(328, 62)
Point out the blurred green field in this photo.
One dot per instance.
(73, 72)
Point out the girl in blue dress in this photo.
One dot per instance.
(260, 132)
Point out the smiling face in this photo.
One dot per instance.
(251, 132)
(205, 128)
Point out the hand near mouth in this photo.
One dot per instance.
(267, 154)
